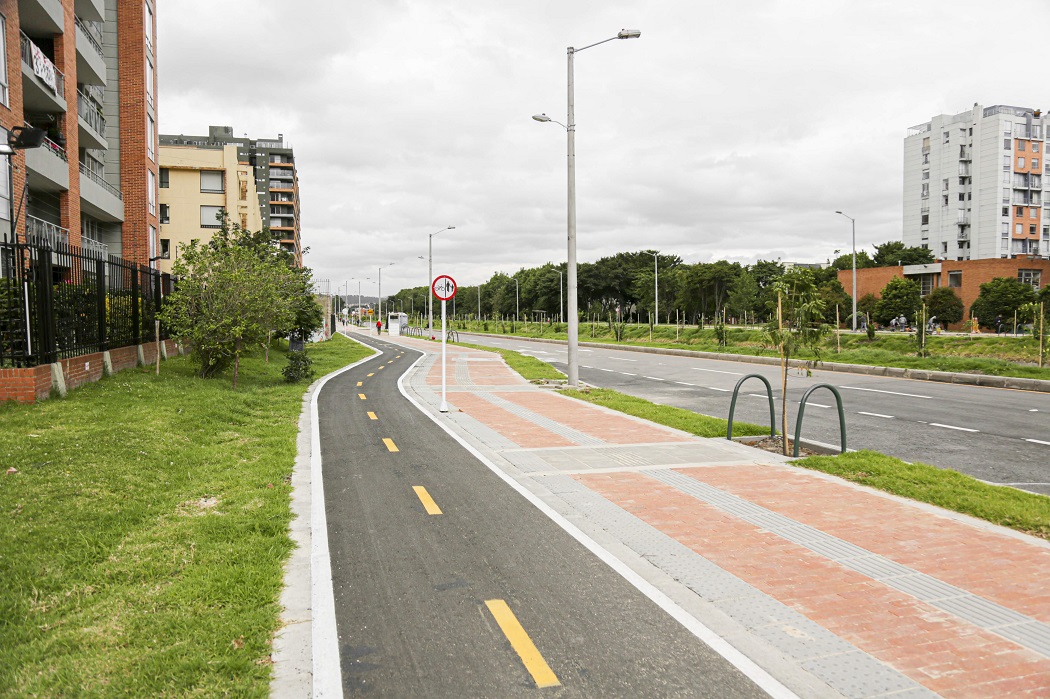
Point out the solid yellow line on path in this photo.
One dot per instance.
(372, 374)
(522, 644)
(390, 444)
(372, 416)
(361, 396)
(428, 502)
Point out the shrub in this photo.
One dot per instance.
(299, 367)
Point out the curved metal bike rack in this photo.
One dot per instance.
(772, 410)
(452, 336)
(802, 410)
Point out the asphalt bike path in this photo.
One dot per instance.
(447, 582)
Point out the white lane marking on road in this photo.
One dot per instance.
(723, 390)
(816, 405)
(748, 667)
(888, 417)
(584, 366)
(1034, 410)
(683, 383)
(716, 371)
(583, 350)
(1038, 441)
(953, 427)
(892, 393)
(654, 378)
(626, 373)
(621, 359)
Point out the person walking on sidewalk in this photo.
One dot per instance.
(379, 327)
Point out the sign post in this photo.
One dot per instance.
(444, 287)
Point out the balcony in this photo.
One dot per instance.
(964, 235)
(91, 122)
(281, 185)
(48, 167)
(964, 153)
(43, 85)
(42, 17)
(91, 10)
(99, 198)
(91, 62)
(43, 232)
(94, 248)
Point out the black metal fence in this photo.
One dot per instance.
(61, 302)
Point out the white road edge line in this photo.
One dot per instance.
(327, 673)
(748, 667)
(953, 427)
(1037, 441)
(892, 393)
(716, 371)
(621, 359)
(888, 417)
(626, 373)
(654, 378)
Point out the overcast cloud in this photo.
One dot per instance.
(728, 130)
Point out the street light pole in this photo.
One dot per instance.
(853, 224)
(561, 299)
(430, 279)
(570, 129)
(380, 293)
(656, 286)
(517, 303)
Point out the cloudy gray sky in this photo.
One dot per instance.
(728, 130)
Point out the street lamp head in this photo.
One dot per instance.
(839, 212)
(541, 117)
(629, 34)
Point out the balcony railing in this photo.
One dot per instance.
(90, 37)
(280, 184)
(44, 232)
(101, 182)
(56, 149)
(964, 153)
(46, 66)
(96, 93)
(93, 246)
(86, 108)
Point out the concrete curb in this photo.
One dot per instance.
(1012, 382)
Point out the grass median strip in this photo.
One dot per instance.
(146, 529)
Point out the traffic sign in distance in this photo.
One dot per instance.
(444, 287)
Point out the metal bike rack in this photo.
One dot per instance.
(452, 336)
(772, 410)
(802, 410)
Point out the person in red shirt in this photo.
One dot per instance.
(379, 327)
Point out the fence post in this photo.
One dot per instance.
(136, 321)
(46, 330)
(100, 276)
(154, 278)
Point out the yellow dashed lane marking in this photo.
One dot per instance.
(361, 396)
(372, 416)
(372, 374)
(360, 382)
(390, 444)
(522, 644)
(382, 367)
(428, 502)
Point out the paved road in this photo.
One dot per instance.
(997, 435)
(426, 604)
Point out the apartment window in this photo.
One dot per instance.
(1006, 195)
(944, 200)
(209, 216)
(244, 190)
(925, 220)
(925, 190)
(165, 248)
(148, 25)
(925, 158)
(5, 188)
(1020, 145)
(149, 81)
(925, 174)
(1019, 229)
(1020, 211)
(165, 213)
(3, 60)
(1006, 211)
(1008, 127)
(151, 136)
(1007, 144)
(1007, 179)
(1020, 162)
(151, 182)
(944, 248)
(1032, 277)
(1035, 163)
(164, 178)
(1035, 146)
(152, 244)
(962, 197)
(244, 221)
(944, 185)
(213, 181)
(1031, 229)
(1005, 229)
(947, 138)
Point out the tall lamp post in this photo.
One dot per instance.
(379, 294)
(561, 299)
(853, 223)
(517, 303)
(570, 129)
(358, 280)
(656, 285)
(430, 279)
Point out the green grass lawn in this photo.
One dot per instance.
(985, 354)
(145, 531)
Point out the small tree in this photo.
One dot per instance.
(945, 304)
(899, 297)
(1000, 298)
(797, 324)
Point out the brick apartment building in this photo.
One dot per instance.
(269, 164)
(83, 71)
(964, 276)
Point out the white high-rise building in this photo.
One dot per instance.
(976, 184)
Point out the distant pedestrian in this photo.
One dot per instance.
(893, 324)
(902, 323)
(998, 324)
(379, 327)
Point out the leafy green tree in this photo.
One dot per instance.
(832, 294)
(845, 262)
(900, 297)
(743, 295)
(1000, 298)
(798, 323)
(944, 303)
(867, 304)
(894, 252)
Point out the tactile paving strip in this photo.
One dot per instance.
(1019, 628)
(847, 669)
(544, 422)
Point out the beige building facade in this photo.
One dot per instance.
(196, 183)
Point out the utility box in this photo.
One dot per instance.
(396, 324)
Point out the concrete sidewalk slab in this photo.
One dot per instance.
(834, 589)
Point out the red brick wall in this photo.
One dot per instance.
(12, 115)
(25, 385)
(124, 358)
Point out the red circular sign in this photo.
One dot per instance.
(444, 287)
